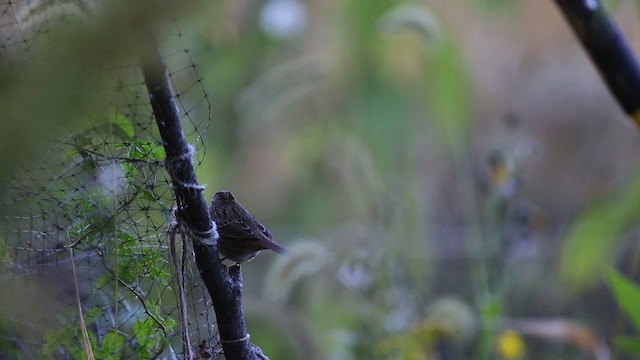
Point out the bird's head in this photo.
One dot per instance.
(223, 197)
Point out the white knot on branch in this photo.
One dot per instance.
(178, 224)
(178, 163)
(243, 339)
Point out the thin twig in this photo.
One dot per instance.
(182, 296)
(83, 327)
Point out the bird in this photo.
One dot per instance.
(242, 237)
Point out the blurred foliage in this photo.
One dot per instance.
(149, 339)
(9, 342)
(595, 235)
(99, 223)
(627, 295)
(449, 319)
(56, 83)
(366, 142)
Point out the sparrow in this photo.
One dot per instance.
(242, 237)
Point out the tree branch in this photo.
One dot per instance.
(608, 50)
(225, 290)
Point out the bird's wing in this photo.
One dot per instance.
(239, 230)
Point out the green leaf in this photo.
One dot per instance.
(158, 153)
(124, 124)
(146, 331)
(130, 172)
(594, 236)
(112, 346)
(146, 194)
(70, 153)
(628, 344)
(627, 294)
(89, 164)
(102, 282)
(145, 150)
(67, 337)
(82, 140)
(92, 314)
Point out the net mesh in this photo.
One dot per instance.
(88, 225)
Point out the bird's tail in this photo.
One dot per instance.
(272, 245)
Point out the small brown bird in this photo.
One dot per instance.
(241, 236)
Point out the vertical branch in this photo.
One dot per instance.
(608, 50)
(225, 291)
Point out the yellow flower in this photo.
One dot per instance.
(511, 346)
